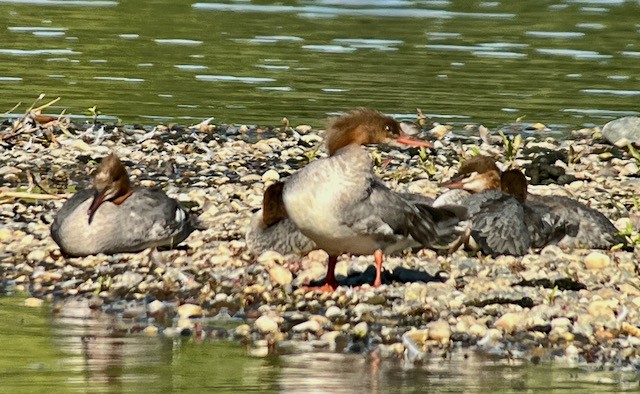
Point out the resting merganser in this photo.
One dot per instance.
(114, 217)
(343, 207)
(501, 223)
(271, 229)
(575, 224)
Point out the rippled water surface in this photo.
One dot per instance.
(566, 63)
(79, 350)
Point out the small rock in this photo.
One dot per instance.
(36, 255)
(5, 234)
(333, 312)
(439, 331)
(270, 258)
(361, 330)
(185, 322)
(334, 339)
(189, 310)
(266, 325)
(308, 326)
(280, 275)
(415, 292)
(509, 322)
(33, 302)
(151, 330)
(596, 261)
(602, 308)
(155, 306)
(270, 176)
(478, 330)
(242, 330)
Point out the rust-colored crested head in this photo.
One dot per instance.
(476, 174)
(364, 126)
(515, 183)
(273, 209)
(111, 183)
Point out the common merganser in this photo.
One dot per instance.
(115, 217)
(271, 229)
(343, 207)
(501, 224)
(575, 224)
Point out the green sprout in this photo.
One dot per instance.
(427, 164)
(94, 112)
(634, 153)
(310, 155)
(511, 146)
(553, 295)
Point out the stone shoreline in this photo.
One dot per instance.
(578, 307)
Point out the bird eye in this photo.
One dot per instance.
(387, 128)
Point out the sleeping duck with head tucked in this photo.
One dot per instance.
(115, 217)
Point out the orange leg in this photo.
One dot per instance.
(330, 282)
(378, 257)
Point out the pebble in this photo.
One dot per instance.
(189, 310)
(32, 302)
(270, 176)
(266, 325)
(5, 234)
(308, 326)
(333, 312)
(151, 330)
(37, 255)
(280, 276)
(596, 261)
(439, 331)
(361, 330)
(509, 322)
(155, 306)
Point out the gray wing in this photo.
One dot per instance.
(498, 223)
(583, 227)
(417, 198)
(157, 217)
(542, 224)
(389, 216)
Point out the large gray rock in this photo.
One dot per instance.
(622, 131)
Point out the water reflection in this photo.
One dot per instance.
(80, 349)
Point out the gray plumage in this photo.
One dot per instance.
(578, 226)
(340, 204)
(283, 237)
(147, 218)
(501, 225)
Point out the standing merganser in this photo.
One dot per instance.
(114, 217)
(501, 223)
(271, 229)
(576, 225)
(343, 207)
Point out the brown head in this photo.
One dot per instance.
(515, 183)
(476, 174)
(111, 183)
(272, 204)
(364, 126)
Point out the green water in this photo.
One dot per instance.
(78, 350)
(564, 63)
